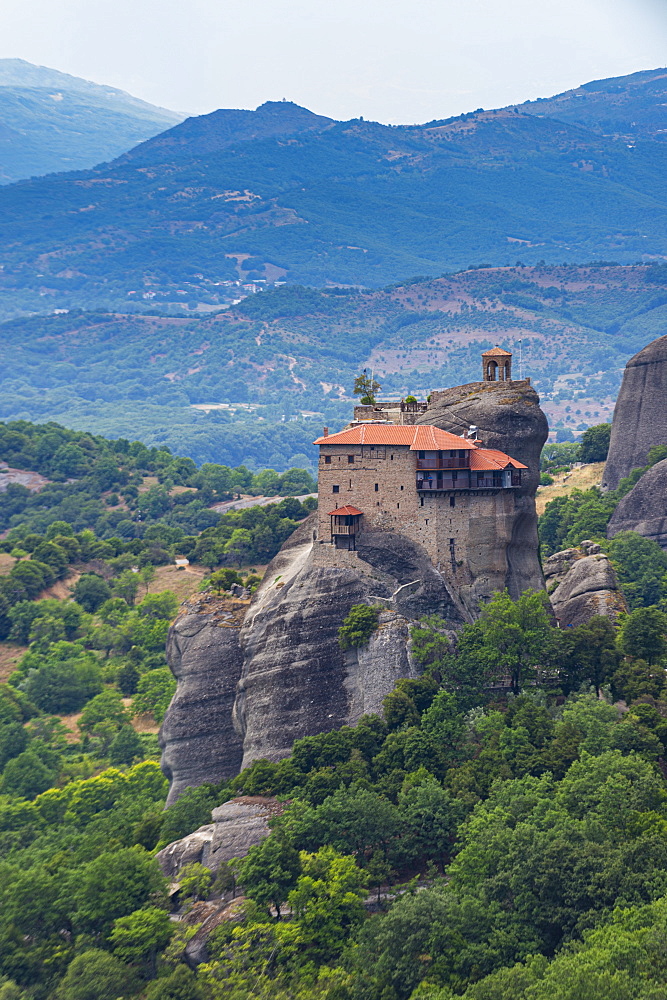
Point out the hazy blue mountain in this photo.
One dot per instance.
(51, 121)
(630, 107)
(281, 192)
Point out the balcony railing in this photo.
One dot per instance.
(434, 464)
(462, 483)
(344, 529)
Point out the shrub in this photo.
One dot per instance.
(358, 626)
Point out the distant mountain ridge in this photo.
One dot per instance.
(221, 129)
(282, 192)
(51, 121)
(631, 107)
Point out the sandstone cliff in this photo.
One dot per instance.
(581, 583)
(640, 415)
(644, 508)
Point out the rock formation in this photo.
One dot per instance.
(508, 417)
(640, 415)
(291, 677)
(644, 508)
(236, 826)
(581, 583)
(198, 742)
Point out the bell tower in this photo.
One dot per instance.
(496, 365)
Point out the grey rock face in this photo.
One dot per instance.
(640, 414)
(644, 508)
(582, 583)
(209, 916)
(198, 742)
(509, 418)
(237, 826)
(296, 681)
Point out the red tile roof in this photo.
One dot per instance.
(421, 438)
(348, 510)
(496, 352)
(484, 459)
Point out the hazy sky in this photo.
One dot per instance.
(391, 61)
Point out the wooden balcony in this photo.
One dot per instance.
(343, 529)
(439, 464)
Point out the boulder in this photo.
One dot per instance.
(198, 742)
(644, 508)
(582, 583)
(237, 826)
(208, 915)
(640, 414)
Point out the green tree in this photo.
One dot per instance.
(516, 636)
(588, 654)
(269, 871)
(594, 443)
(195, 881)
(154, 693)
(181, 984)
(641, 566)
(26, 775)
(223, 579)
(430, 817)
(125, 747)
(91, 591)
(358, 626)
(113, 885)
(67, 678)
(366, 387)
(95, 975)
(327, 901)
(140, 936)
(126, 586)
(644, 634)
(107, 706)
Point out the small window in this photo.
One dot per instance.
(401, 487)
(377, 487)
(327, 459)
(427, 520)
(350, 459)
(391, 457)
(422, 454)
(335, 489)
(421, 501)
(350, 484)
(452, 501)
(398, 505)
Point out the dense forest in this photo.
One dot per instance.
(254, 384)
(497, 832)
